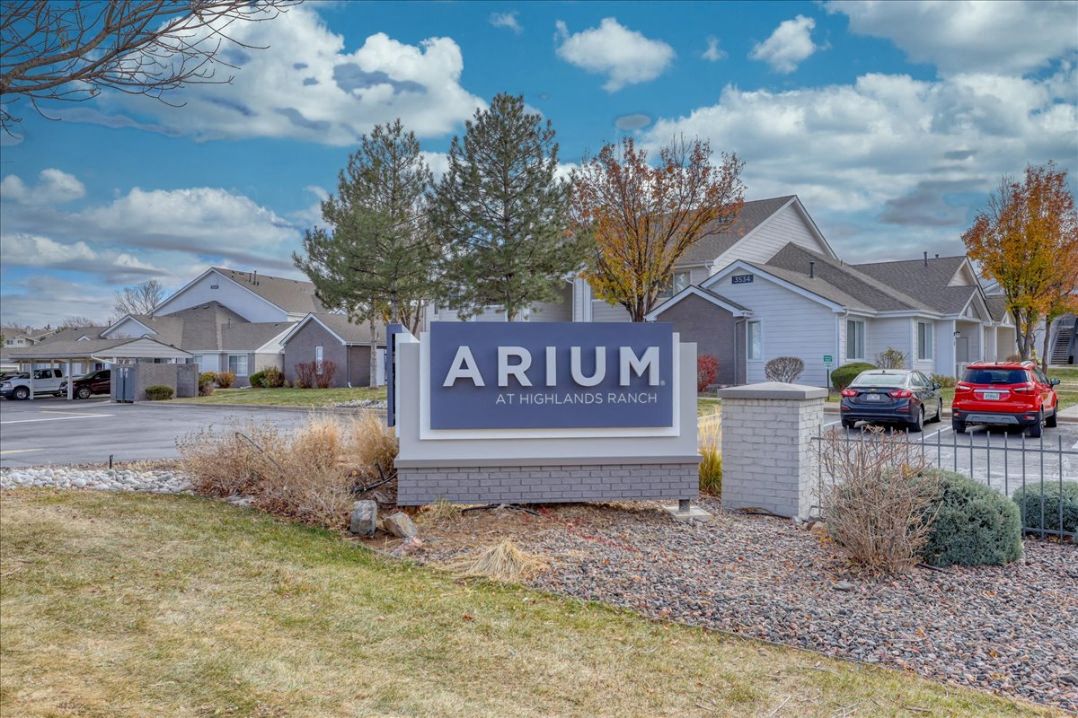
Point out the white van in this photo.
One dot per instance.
(46, 381)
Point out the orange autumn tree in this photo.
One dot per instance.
(1027, 240)
(644, 218)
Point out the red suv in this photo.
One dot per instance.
(1005, 394)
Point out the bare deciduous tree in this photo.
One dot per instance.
(76, 322)
(139, 299)
(72, 50)
(784, 369)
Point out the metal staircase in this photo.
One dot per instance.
(1063, 348)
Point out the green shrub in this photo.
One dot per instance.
(205, 383)
(1028, 500)
(972, 524)
(272, 378)
(258, 379)
(159, 392)
(943, 380)
(845, 374)
(225, 379)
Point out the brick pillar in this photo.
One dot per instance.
(768, 457)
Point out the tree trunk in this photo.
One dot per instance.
(373, 382)
(1047, 337)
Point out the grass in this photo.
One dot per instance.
(305, 398)
(134, 605)
(706, 405)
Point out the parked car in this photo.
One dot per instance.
(46, 381)
(891, 396)
(1005, 394)
(95, 382)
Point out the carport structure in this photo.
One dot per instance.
(107, 351)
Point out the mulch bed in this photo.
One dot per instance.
(1009, 629)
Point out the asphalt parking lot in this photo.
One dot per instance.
(56, 431)
(1003, 459)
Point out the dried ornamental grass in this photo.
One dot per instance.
(710, 458)
(503, 562)
(373, 446)
(308, 475)
(441, 512)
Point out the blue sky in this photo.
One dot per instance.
(891, 121)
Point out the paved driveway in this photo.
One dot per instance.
(61, 432)
(1005, 459)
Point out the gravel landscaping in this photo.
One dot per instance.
(1008, 629)
(119, 479)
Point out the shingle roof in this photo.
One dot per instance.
(725, 300)
(928, 281)
(62, 335)
(752, 215)
(350, 332)
(292, 295)
(817, 285)
(252, 335)
(997, 306)
(211, 327)
(866, 292)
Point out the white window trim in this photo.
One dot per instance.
(864, 339)
(748, 340)
(930, 341)
(319, 359)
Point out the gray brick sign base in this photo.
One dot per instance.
(547, 484)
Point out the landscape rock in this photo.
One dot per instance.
(400, 525)
(66, 477)
(364, 520)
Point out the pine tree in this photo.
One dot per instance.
(376, 258)
(504, 214)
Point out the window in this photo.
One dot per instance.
(755, 341)
(678, 281)
(318, 354)
(237, 364)
(924, 340)
(855, 339)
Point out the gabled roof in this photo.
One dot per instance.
(72, 334)
(706, 294)
(339, 326)
(251, 335)
(292, 295)
(752, 215)
(997, 306)
(76, 349)
(866, 291)
(929, 280)
(209, 327)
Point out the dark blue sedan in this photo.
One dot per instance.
(892, 396)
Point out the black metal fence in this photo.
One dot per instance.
(1032, 469)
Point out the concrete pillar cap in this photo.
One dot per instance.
(774, 390)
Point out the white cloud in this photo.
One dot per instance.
(789, 45)
(872, 148)
(713, 53)
(507, 20)
(306, 85)
(41, 299)
(53, 187)
(994, 37)
(625, 56)
(21, 249)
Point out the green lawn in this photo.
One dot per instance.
(287, 397)
(137, 605)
